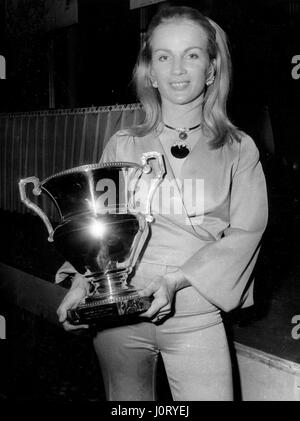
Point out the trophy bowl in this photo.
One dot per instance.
(102, 229)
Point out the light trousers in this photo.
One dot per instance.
(196, 360)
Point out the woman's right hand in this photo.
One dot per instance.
(72, 299)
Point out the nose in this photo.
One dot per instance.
(178, 66)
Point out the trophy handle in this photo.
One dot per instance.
(36, 191)
(156, 180)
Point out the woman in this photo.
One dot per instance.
(198, 260)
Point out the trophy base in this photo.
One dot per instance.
(97, 309)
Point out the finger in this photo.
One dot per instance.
(158, 315)
(148, 291)
(164, 312)
(156, 306)
(67, 303)
(152, 288)
(62, 314)
(157, 319)
(62, 311)
(70, 327)
(161, 314)
(152, 310)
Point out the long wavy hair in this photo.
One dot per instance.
(215, 119)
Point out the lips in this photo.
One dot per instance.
(178, 86)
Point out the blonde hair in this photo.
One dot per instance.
(215, 117)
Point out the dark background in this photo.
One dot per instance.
(92, 62)
(94, 58)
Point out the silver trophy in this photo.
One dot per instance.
(104, 215)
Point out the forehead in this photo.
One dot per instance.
(178, 33)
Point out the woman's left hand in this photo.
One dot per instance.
(163, 289)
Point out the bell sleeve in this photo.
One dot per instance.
(221, 270)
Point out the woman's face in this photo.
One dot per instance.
(180, 62)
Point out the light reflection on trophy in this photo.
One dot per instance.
(102, 229)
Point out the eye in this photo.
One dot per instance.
(193, 56)
(163, 57)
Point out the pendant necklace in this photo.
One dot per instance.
(180, 149)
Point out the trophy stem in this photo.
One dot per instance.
(111, 297)
(110, 283)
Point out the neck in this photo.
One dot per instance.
(187, 115)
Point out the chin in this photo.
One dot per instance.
(180, 99)
(184, 101)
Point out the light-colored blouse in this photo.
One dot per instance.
(216, 241)
(208, 221)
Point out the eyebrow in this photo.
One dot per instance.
(170, 51)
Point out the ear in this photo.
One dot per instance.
(153, 78)
(211, 72)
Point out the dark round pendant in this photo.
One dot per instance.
(179, 152)
(182, 135)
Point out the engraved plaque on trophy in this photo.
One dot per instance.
(102, 229)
